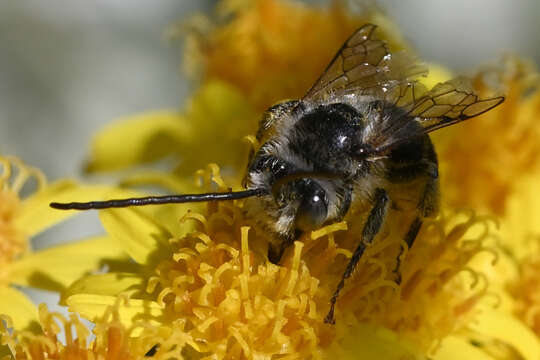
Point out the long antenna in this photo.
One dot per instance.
(154, 200)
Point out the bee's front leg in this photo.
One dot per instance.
(371, 228)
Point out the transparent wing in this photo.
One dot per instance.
(418, 111)
(448, 103)
(364, 66)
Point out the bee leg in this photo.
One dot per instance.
(428, 207)
(409, 240)
(346, 202)
(371, 228)
(152, 351)
(429, 203)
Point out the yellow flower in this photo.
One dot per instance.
(498, 146)
(20, 219)
(523, 230)
(217, 281)
(526, 290)
(209, 281)
(278, 48)
(150, 136)
(499, 172)
(112, 340)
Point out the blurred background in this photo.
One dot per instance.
(67, 68)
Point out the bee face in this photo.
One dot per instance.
(306, 169)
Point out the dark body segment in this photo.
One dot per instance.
(414, 158)
(415, 162)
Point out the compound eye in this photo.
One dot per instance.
(313, 209)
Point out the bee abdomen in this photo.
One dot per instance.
(411, 160)
(411, 172)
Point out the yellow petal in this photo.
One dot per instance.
(137, 139)
(508, 329)
(368, 341)
(221, 117)
(166, 180)
(57, 267)
(92, 307)
(217, 118)
(453, 347)
(106, 284)
(168, 215)
(35, 214)
(18, 307)
(138, 234)
(521, 217)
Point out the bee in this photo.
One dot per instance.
(356, 143)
